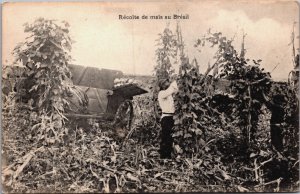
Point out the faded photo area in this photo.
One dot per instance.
(150, 96)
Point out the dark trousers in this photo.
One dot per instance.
(276, 137)
(166, 143)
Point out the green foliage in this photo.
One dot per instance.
(208, 130)
(187, 106)
(290, 122)
(294, 76)
(45, 55)
(248, 81)
(165, 53)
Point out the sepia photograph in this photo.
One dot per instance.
(150, 96)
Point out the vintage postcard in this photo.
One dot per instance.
(150, 96)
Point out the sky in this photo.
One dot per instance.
(105, 41)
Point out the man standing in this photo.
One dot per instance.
(166, 103)
(276, 106)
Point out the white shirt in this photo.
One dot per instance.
(165, 98)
